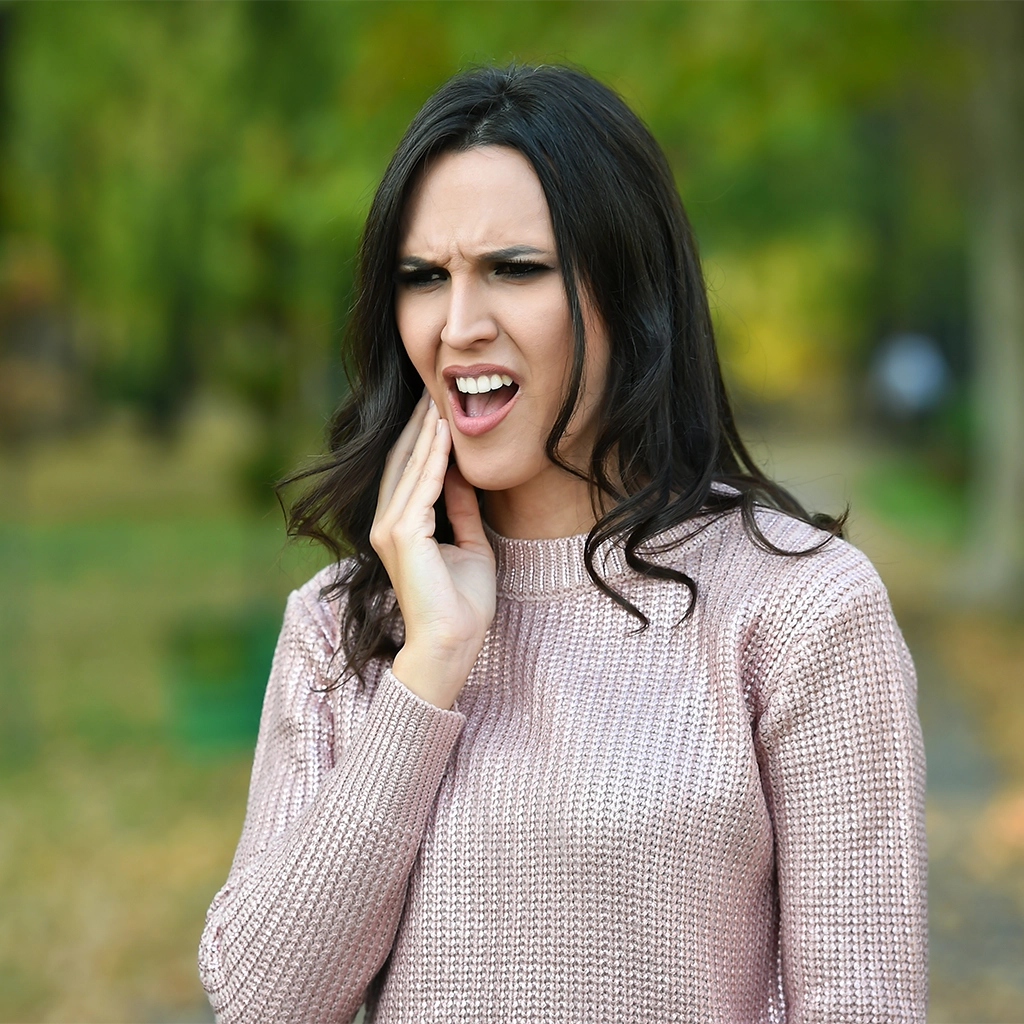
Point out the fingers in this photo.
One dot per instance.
(407, 514)
(463, 511)
(419, 466)
(429, 481)
(401, 450)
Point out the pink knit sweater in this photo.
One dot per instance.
(718, 821)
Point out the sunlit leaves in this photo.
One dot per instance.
(200, 169)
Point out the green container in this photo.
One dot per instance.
(217, 670)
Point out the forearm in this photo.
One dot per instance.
(301, 931)
(844, 763)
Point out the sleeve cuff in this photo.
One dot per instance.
(401, 751)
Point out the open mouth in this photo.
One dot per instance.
(486, 394)
(480, 397)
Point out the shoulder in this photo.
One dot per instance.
(776, 587)
(825, 604)
(318, 605)
(791, 558)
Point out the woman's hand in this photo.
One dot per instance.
(446, 592)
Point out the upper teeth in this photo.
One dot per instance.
(486, 382)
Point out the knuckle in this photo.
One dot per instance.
(401, 532)
(378, 536)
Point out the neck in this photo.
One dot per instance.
(554, 504)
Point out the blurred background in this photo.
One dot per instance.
(181, 190)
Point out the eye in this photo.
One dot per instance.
(420, 278)
(517, 269)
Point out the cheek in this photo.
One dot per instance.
(415, 337)
(543, 334)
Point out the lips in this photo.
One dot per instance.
(474, 409)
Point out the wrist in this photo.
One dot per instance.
(437, 681)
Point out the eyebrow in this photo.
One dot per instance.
(510, 252)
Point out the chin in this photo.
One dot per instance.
(493, 473)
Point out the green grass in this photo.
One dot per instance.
(139, 604)
(918, 503)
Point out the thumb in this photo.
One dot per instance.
(463, 511)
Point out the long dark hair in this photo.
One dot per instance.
(665, 430)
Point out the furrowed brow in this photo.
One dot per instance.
(414, 263)
(509, 252)
(513, 252)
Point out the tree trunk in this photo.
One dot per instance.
(996, 546)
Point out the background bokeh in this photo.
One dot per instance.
(181, 188)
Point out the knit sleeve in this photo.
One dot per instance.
(843, 760)
(310, 908)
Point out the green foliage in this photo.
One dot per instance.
(917, 501)
(218, 669)
(199, 171)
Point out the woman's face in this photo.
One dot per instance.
(483, 316)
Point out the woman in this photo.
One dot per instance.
(594, 724)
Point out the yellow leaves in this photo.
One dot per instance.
(782, 315)
(987, 654)
(1001, 832)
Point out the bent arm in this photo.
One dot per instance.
(844, 765)
(310, 908)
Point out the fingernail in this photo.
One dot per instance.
(430, 405)
(440, 425)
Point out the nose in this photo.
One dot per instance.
(469, 319)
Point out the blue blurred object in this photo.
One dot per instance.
(910, 376)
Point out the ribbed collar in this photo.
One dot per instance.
(533, 569)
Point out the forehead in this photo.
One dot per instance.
(476, 201)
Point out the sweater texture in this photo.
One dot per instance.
(719, 819)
